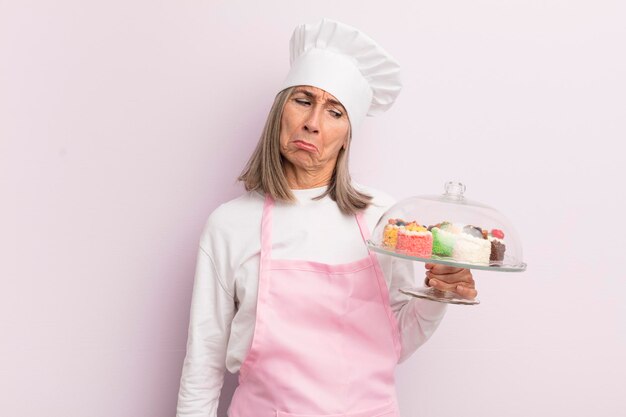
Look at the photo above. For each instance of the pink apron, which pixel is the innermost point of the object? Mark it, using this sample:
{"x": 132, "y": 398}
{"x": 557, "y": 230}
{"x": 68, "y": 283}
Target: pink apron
{"x": 325, "y": 342}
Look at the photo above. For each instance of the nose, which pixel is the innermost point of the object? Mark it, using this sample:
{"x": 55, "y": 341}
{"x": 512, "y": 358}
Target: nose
{"x": 313, "y": 120}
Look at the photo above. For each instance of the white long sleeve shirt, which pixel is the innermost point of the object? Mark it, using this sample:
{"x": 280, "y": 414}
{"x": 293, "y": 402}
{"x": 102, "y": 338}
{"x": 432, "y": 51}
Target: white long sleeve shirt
{"x": 223, "y": 306}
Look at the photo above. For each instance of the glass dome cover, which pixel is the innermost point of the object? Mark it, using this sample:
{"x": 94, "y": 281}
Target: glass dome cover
{"x": 449, "y": 229}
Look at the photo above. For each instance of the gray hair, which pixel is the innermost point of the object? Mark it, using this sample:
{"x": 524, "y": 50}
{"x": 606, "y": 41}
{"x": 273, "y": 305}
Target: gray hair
{"x": 264, "y": 170}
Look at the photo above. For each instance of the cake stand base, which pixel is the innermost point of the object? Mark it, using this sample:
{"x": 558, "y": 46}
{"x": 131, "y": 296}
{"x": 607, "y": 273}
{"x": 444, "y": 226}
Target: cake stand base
{"x": 434, "y": 294}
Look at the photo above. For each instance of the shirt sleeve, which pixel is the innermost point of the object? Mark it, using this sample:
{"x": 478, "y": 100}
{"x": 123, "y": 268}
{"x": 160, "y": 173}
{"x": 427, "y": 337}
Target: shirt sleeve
{"x": 417, "y": 318}
{"x": 211, "y": 314}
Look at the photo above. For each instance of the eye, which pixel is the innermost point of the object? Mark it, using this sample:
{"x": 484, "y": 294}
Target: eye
{"x": 302, "y": 101}
{"x": 335, "y": 114}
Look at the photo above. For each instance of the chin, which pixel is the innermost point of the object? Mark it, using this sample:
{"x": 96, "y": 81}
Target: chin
{"x": 302, "y": 160}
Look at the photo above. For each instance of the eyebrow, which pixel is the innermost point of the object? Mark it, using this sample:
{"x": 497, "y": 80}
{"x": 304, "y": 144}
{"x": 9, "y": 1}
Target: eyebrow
{"x": 311, "y": 95}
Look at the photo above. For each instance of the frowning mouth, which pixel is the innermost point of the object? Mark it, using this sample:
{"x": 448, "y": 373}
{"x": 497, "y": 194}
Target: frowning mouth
{"x": 305, "y": 145}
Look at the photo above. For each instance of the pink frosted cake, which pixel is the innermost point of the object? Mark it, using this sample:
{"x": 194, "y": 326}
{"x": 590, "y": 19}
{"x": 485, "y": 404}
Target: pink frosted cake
{"x": 415, "y": 240}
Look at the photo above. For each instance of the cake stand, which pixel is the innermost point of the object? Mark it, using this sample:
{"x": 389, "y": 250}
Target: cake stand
{"x": 448, "y": 229}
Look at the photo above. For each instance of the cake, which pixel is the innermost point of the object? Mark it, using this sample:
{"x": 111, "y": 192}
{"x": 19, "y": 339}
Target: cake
{"x": 443, "y": 241}
{"x": 415, "y": 240}
{"x": 469, "y": 247}
{"x": 390, "y": 232}
{"x": 497, "y": 245}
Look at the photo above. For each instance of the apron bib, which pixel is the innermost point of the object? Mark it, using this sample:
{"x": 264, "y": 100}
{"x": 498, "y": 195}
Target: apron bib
{"x": 325, "y": 342}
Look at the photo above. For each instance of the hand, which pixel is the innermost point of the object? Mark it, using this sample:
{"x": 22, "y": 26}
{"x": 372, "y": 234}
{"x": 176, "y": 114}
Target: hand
{"x": 449, "y": 278}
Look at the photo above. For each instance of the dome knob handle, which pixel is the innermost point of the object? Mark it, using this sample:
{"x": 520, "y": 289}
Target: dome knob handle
{"x": 454, "y": 189}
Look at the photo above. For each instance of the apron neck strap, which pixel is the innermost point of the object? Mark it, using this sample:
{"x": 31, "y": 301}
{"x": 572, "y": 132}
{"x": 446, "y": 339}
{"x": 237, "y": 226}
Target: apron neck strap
{"x": 266, "y": 229}
{"x": 365, "y": 233}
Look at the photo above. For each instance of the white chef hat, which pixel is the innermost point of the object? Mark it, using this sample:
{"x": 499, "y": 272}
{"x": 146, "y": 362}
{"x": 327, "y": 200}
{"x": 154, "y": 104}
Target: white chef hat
{"x": 346, "y": 63}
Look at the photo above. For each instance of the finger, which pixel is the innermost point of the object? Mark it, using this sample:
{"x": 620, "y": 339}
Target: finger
{"x": 463, "y": 276}
{"x": 463, "y": 291}
{"x": 429, "y": 266}
{"x": 445, "y": 269}
{"x": 441, "y": 285}
{"x": 445, "y": 286}
{"x": 466, "y": 292}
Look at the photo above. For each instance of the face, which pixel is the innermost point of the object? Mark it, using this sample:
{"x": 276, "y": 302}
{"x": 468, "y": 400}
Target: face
{"x": 314, "y": 127}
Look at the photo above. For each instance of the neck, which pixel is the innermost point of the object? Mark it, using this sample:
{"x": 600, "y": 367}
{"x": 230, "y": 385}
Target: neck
{"x": 299, "y": 179}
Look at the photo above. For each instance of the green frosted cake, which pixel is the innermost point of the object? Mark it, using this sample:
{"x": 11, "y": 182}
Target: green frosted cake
{"x": 443, "y": 242}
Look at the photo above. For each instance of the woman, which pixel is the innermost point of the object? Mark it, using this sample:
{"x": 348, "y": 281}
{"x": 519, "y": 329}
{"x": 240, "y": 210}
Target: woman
{"x": 286, "y": 291}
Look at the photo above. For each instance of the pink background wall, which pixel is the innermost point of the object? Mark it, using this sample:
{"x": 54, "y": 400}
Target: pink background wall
{"x": 124, "y": 123}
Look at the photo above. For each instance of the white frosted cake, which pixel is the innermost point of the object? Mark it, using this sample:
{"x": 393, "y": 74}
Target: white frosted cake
{"x": 471, "y": 249}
